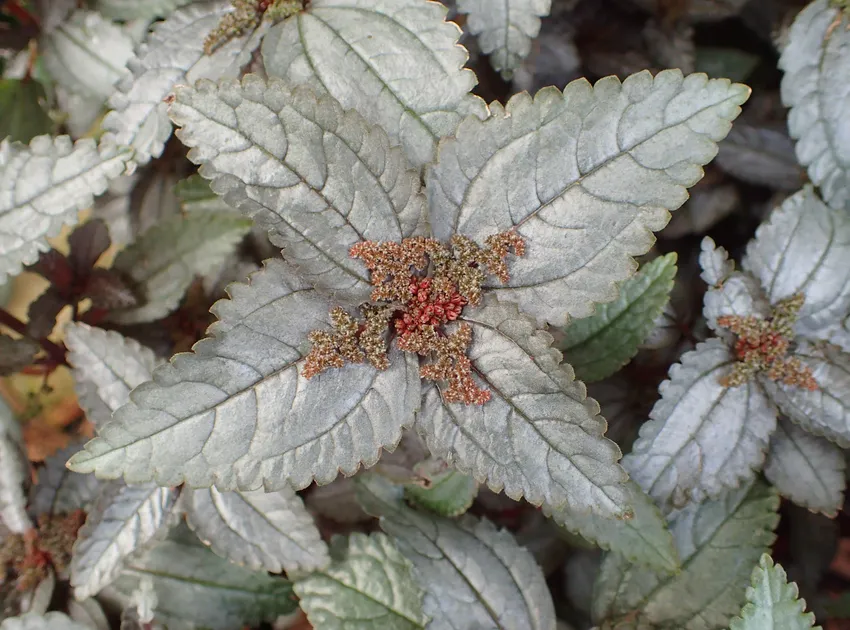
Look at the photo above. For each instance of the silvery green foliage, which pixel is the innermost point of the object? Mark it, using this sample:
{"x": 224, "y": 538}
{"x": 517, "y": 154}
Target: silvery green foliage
{"x": 136, "y": 9}
{"x": 48, "y": 621}
{"x": 504, "y": 30}
{"x": 806, "y": 468}
{"x": 319, "y": 178}
{"x": 473, "y": 574}
{"x": 585, "y": 176}
{"x": 815, "y": 63}
{"x": 164, "y": 261}
{"x": 43, "y": 186}
{"x": 87, "y": 54}
{"x": 643, "y": 539}
{"x": 539, "y": 436}
{"x": 260, "y": 530}
{"x": 14, "y": 473}
{"x": 106, "y": 367}
{"x": 598, "y": 346}
{"x": 192, "y": 587}
{"x": 123, "y": 520}
{"x": 266, "y": 424}
{"x": 441, "y": 490}
{"x": 60, "y": 490}
{"x": 718, "y": 542}
{"x": 678, "y": 457}
{"x": 799, "y": 250}
{"x": 772, "y": 602}
{"x": 173, "y": 54}
{"x": 407, "y": 76}
{"x": 369, "y": 585}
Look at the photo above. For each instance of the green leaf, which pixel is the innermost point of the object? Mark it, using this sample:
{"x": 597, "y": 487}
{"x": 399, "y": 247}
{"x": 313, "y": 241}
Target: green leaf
{"x": 643, "y": 539}
{"x": 43, "y": 186}
{"x": 806, "y": 468}
{"x": 447, "y": 493}
{"x": 599, "y": 345}
{"x": 538, "y": 436}
{"x": 14, "y": 473}
{"x": 396, "y": 62}
{"x": 165, "y": 260}
{"x": 678, "y": 456}
{"x": 718, "y": 542}
{"x": 173, "y": 54}
{"x": 369, "y": 585}
{"x": 106, "y": 366}
{"x": 800, "y": 250}
{"x": 318, "y": 178}
{"x": 48, "y": 621}
{"x": 195, "y": 588}
{"x": 260, "y": 530}
{"x": 123, "y": 520}
{"x": 505, "y": 30}
{"x": 195, "y": 195}
{"x": 734, "y": 64}
{"x": 87, "y": 54}
{"x": 772, "y": 602}
{"x": 584, "y": 176}
{"x": 22, "y": 116}
{"x": 236, "y": 412}
{"x": 816, "y": 67}
{"x": 473, "y": 575}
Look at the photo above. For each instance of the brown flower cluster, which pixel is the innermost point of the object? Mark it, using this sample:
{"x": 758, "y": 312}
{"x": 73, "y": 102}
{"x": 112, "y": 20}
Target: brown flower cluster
{"x": 246, "y": 16}
{"x": 420, "y": 286}
{"x": 762, "y": 347}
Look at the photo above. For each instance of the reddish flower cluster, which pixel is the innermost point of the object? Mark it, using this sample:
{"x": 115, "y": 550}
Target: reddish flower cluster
{"x": 762, "y": 345}
{"x": 427, "y": 307}
{"x": 418, "y": 308}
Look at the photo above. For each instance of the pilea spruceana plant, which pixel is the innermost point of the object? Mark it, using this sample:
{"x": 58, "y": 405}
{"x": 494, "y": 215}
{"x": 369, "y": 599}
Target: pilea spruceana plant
{"x": 352, "y": 348}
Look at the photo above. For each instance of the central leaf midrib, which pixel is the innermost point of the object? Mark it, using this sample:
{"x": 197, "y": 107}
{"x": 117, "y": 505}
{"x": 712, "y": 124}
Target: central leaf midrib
{"x": 368, "y": 596}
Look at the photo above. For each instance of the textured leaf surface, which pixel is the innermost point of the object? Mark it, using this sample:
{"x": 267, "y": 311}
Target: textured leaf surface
{"x": 643, "y": 539}
{"x": 816, "y": 67}
{"x": 164, "y": 261}
{"x": 237, "y": 413}
{"x": 87, "y": 54}
{"x": 397, "y": 62}
{"x": 585, "y": 177}
{"x": 718, "y": 542}
{"x": 601, "y": 344}
{"x": 195, "y": 588}
{"x": 678, "y": 456}
{"x": 137, "y": 9}
{"x": 505, "y": 30}
{"x": 805, "y": 248}
{"x": 806, "y": 468}
{"x": 369, "y": 585}
{"x": 449, "y": 493}
{"x": 739, "y": 294}
{"x": 772, "y": 602}
{"x": 42, "y": 186}
{"x": 60, "y": 490}
{"x": 260, "y": 530}
{"x": 22, "y": 116}
{"x": 106, "y": 367}
{"x": 538, "y": 436}
{"x": 319, "y": 179}
{"x": 825, "y": 411}
{"x": 761, "y": 156}
{"x": 173, "y": 54}
{"x": 122, "y": 521}
{"x": 14, "y": 473}
{"x": 714, "y": 262}
{"x": 48, "y": 621}
{"x": 473, "y": 574}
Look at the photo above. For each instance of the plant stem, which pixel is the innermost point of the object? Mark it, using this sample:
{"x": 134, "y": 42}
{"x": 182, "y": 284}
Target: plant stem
{"x": 55, "y": 351}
